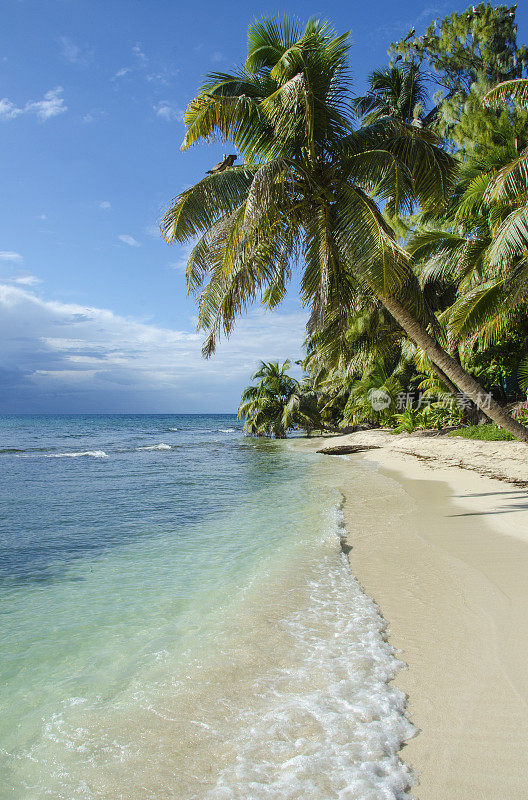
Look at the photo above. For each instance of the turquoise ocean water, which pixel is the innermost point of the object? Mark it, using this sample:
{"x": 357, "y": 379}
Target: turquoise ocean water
{"x": 177, "y": 619}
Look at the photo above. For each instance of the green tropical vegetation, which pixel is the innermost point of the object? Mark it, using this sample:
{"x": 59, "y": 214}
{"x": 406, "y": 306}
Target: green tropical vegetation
{"x": 404, "y": 209}
{"x": 486, "y": 433}
{"x": 277, "y": 402}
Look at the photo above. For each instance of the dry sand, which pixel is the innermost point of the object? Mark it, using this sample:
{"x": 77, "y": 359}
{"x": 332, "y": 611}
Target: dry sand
{"x": 448, "y": 566}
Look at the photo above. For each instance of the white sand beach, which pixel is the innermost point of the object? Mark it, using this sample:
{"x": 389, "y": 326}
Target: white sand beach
{"x": 448, "y": 566}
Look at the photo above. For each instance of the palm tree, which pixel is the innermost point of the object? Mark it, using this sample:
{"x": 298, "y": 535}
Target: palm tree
{"x": 303, "y": 409}
{"x": 262, "y": 407}
{"x": 398, "y": 92}
{"x": 309, "y": 189}
{"x": 481, "y": 249}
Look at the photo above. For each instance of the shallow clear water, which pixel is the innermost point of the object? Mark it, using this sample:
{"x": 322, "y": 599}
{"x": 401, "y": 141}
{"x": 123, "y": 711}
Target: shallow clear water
{"x": 178, "y": 620}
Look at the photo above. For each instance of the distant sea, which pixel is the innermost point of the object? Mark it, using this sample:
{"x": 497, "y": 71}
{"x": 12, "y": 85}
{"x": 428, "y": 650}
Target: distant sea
{"x": 177, "y": 619}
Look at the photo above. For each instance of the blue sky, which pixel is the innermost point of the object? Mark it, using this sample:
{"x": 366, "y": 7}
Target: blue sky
{"x": 93, "y": 309}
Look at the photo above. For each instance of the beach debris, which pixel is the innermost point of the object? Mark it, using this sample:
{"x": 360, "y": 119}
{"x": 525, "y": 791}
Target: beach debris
{"x": 227, "y": 161}
{"x": 345, "y": 449}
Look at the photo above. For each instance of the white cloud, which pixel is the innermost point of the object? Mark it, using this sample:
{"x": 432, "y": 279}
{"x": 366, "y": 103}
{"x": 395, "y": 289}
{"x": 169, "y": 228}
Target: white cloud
{"x": 168, "y": 111}
{"x": 8, "y": 110}
{"x": 92, "y": 115}
{"x": 151, "y": 70}
{"x": 129, "y": 240}
{"x": 51, "y": 105}
{"x": 24, "y": 280}
{"x": 9, "y": 255}
{"x": 163, "y": 77}
{"x": 137, "y": 51}
{"x": 72, "y": 52}
{"x": 217, "y": 56}
{"x": 105, "y": 204}
{"x": 121, "y": 72}
{"x": 60, "y": 356}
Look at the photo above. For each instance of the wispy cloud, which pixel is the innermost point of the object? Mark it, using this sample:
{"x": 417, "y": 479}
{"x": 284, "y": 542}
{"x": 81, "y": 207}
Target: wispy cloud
{"x": 24, "y": 280}
{"x": 163, "y": 77}
{"x": 122, "y": 72}
{"x": 50, "y": 106}
{"x": 72, "y": 52}
{"x": 129, "y": 240}
{"x": 137, "y": 51}
{"x": 11, "y": 256}
{"x": 9, "y": 110}
{"x": 217, "y": 56}
{"x": 149, "y": 69}
{"x": 168, "y": 111}
{"x": 92, "y": 115}
{"x": 60, "y": 356}
{"x": 105, "y": 205}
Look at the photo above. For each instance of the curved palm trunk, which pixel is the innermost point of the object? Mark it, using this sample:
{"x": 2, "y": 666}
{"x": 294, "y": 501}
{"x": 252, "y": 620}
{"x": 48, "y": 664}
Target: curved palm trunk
{"x": 458, "y": 376}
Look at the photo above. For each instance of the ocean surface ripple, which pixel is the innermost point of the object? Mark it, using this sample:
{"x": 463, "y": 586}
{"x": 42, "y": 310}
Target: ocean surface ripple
{"x": 178, "y": 619}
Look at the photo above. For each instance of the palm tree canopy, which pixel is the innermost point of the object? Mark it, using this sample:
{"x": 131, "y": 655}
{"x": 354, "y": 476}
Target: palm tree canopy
{"x": 310, "y": 188}
{"x": 262, "y": 406}
{"x": 397, "y": 92}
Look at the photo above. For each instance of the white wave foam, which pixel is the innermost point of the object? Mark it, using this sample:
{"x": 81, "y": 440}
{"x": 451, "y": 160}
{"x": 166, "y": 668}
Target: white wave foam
{"x": 161, "y": 446}
{"x": 330, "y": 724}
{"x": 294, "y": 701}
{"x": 91, "y": 453}
{"x": 226, "y": 430}
{"x": 173, "y": 429}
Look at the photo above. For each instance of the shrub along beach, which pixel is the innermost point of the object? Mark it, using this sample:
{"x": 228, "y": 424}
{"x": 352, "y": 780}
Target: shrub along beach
{"x": 405, "y": 212}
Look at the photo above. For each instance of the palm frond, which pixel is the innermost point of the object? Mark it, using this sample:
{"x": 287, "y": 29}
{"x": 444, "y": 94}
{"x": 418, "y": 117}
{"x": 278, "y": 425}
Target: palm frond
{"x": 516, "y": 90}
{"x": 198, "y": 208}
{"x": 511, "y": 239}
{"x": 510, "y": 183}
{"x": 477, "y": 308}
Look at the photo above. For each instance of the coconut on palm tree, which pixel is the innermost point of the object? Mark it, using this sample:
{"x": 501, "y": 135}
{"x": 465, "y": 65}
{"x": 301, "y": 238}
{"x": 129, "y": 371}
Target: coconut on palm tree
{"x": 311, "y": 190}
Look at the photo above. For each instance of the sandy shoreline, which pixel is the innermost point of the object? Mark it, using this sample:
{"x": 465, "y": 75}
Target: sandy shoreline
{"x": 448, "y": 566}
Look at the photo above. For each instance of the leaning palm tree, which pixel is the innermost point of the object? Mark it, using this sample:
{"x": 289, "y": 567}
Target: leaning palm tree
{"x": 262, "y": 406}
{"x": 309, "y": 191}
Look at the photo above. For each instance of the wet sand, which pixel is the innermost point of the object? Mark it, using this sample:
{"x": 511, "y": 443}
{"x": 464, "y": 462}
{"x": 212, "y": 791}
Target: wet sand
{"x": 448, "y": 566}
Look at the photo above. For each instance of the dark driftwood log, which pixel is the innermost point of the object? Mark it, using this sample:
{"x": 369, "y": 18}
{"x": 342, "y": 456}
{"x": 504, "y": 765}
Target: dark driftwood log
{"x": 344, "y": 449}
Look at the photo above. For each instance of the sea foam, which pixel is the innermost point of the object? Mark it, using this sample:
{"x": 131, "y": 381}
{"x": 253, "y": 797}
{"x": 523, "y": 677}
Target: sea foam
{"x": 160, "y": 446}
{"x": 329, "y": 724}
{"x": 90, "y": 453}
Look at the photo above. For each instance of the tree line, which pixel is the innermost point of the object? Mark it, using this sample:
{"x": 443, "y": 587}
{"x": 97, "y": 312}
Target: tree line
{"x": 405, "y": 210}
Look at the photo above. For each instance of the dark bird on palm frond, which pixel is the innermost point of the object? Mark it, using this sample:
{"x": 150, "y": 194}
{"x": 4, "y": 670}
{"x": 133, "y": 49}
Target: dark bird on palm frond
{"x": 410, "y": 34}
{"x": 398, "y": 58}
{"x": 227, "y": 162}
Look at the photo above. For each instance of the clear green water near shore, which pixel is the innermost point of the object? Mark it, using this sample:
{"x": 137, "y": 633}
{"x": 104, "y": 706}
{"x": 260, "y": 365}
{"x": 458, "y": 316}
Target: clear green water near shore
{"x": 178, "y": 620}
